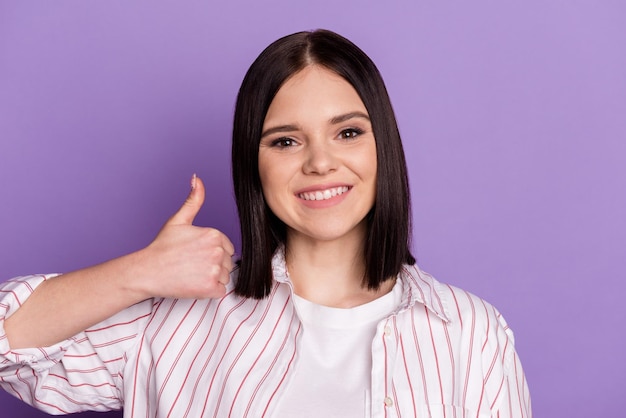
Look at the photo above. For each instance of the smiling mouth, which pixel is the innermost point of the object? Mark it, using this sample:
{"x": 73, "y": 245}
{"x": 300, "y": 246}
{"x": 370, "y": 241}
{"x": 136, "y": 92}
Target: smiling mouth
{"x": 324, "y": 194}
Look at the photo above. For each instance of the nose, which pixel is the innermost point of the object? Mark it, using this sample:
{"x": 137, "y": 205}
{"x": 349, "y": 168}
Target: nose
{"x": 319, "y": 159}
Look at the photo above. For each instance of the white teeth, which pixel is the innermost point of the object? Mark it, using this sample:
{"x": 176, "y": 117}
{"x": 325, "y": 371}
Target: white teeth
{"x": 323, "y": 194}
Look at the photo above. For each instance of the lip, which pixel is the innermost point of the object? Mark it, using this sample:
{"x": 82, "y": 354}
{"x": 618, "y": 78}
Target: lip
{"x": 325, "y": 203}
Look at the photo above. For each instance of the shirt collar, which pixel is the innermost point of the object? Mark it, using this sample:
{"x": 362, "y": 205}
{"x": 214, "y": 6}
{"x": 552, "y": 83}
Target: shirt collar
{"x": 421, "y": 287}
{"x": 279, "y": 266}
{"x": 417, "y": 286}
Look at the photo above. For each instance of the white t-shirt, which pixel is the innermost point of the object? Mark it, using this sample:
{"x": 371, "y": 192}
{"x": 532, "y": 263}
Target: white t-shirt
{"x": 332, "y": 372}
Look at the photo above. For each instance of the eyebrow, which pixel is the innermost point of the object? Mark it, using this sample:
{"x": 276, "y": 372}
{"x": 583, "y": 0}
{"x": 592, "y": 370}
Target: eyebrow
{"x": 334, "y": 121}
{"x": 276, "y": 129}
{"x": 348, "y": 116}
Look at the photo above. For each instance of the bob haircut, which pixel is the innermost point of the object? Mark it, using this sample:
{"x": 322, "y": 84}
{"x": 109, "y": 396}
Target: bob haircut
{"x": 387, "y": 245}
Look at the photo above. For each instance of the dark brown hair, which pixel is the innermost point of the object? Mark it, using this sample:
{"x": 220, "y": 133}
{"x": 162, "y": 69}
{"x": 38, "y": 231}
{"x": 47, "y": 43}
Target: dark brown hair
{"x": 387, "y": 244}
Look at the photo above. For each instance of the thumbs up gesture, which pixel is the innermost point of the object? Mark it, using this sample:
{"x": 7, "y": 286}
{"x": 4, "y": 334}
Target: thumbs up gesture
{"x": 183, "y": 261}
{"x": 187, "y": 261}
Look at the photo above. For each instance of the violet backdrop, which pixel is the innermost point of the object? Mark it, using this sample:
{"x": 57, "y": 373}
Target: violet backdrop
{"x": 513, "y": 117}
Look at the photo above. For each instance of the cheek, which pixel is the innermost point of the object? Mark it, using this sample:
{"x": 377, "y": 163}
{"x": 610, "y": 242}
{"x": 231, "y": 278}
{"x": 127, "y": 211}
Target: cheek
{"x": 271, "y": 183}
{"x": 368, "y": 169}
{"x": 365, "y": 163}
{"x": 373, "y": 162}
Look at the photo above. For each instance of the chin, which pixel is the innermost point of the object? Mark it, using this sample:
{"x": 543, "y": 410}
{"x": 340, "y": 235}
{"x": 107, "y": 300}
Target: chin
{"x": 330, "y": 233}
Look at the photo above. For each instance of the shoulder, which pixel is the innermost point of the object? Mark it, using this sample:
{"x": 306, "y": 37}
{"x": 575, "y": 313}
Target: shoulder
{"x": 225, "y": 313}
{"x": 471, "y": 332}
{"x": 459, "y": 308}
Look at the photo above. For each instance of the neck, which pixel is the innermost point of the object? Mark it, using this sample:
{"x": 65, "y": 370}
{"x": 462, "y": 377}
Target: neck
{"x": 330, "y": 273}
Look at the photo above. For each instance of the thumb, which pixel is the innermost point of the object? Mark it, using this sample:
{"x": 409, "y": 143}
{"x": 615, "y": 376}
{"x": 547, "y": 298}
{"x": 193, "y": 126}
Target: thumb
{"x": 192, "y": 205}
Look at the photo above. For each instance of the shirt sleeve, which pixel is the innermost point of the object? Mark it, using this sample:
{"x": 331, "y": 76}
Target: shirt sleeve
{"x": 505, "y": 380}
{"x": 82, "y": 373}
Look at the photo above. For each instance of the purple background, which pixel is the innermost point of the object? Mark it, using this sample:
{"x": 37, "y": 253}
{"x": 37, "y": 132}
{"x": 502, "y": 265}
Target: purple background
{"x": 513, "y": 118}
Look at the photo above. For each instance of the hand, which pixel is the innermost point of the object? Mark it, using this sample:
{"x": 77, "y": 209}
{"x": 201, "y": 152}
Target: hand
{"x": 186, "y": 261}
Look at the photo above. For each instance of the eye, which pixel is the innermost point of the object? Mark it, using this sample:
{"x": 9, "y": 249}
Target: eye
{"x": 283, "y": 142}
{"x": 350, "y": 133}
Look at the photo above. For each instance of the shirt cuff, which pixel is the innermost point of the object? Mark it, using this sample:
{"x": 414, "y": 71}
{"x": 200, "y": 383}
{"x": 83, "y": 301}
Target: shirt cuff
{"x": 13, "y": 294}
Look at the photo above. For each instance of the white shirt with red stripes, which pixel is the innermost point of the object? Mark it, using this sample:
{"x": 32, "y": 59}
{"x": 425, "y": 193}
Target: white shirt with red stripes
{"x": 442, "y": 352}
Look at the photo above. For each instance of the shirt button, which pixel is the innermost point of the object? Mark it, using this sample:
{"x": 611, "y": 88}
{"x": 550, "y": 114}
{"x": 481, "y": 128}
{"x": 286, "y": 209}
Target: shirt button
{"x": 387, "y": 331}
{"x": 388, "y": 401}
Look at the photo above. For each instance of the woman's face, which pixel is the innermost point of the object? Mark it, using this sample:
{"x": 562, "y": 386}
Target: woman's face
{"x": 317, "y": 157}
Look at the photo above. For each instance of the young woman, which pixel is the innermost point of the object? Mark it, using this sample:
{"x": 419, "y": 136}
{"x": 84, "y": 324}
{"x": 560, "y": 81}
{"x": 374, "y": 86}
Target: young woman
{"x": 326, "y": 313}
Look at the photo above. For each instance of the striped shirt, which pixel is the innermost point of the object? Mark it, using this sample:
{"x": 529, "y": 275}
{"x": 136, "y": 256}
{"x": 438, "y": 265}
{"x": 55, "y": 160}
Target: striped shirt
{"x": 442, "y": 353}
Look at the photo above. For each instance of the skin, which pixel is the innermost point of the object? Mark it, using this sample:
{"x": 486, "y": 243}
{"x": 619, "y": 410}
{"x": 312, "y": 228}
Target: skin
{"x": 317, "y": 136}
{"x": 68, "y": 304}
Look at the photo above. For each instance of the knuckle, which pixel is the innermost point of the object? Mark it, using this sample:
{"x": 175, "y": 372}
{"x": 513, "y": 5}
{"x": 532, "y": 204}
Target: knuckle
{"x": 218, "y": 255}
{"x": 213, "y": 234}
{"x": 218, "y": 252}
{"x": 214, "y": 273}
{"x": 226, "y": 275}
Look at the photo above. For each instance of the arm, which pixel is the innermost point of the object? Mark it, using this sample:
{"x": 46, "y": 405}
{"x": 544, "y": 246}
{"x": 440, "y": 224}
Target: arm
{"x": 183, "y": 261}
{"x": 516, "y": 402}
{"x": 510, "y": 394}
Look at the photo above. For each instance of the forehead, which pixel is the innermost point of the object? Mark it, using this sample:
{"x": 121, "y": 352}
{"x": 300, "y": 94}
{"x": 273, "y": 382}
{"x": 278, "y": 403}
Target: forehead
{"x": 314, "y": 92}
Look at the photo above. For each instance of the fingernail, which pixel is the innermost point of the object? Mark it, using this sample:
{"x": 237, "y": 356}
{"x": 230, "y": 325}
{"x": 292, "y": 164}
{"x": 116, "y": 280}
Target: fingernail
{"x": 194, "y": 179}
